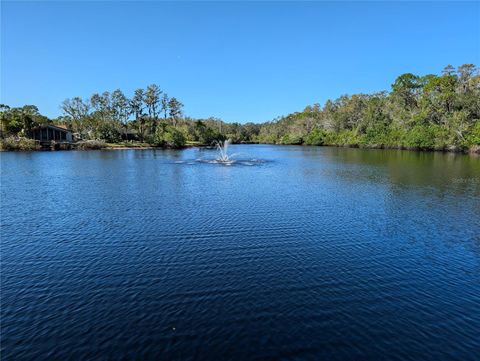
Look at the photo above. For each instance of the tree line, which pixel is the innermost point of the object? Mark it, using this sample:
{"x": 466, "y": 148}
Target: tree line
{"x": 148, "y": 116}
{"x": 439, "y": 112}
{"x": 110, "y": 116}
{"x": 419, "y": 112}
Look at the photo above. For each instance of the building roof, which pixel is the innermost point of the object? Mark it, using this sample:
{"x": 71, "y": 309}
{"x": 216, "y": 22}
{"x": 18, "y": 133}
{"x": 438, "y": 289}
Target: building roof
{"x": 60, "y": 127}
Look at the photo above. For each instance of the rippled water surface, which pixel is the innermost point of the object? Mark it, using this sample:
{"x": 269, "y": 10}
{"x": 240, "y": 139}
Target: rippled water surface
{"x": 303, "y": 253}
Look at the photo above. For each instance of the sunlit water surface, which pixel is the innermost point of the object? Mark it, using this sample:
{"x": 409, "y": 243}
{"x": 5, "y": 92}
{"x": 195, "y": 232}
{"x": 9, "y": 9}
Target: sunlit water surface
{"x": 295, "y": 253}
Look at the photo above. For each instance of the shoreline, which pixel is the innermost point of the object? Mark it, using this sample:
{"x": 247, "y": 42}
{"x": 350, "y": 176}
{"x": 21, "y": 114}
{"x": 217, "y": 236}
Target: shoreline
{"x": 473, "y": 151}
{"x": 451, "y": 151}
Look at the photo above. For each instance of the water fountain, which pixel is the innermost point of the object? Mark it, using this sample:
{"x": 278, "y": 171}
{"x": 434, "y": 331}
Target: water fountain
{"x": 223, "y": 157}
{"x": 222, "y": 148}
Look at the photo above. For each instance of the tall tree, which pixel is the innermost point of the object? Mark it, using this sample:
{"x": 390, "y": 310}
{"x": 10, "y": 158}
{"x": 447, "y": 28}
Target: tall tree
{"x": 78, "y": 110}
{"x": 448, "y": 70}
{"x": 121, "y": 109}
{"x": 4, "y": 118}
{"x": 137, "y": 106}
{"x": 165, "y": 101}
{"x": 137, "y": 103}
{"x": 466, "y": 72}
{"x": 103, "y": 106}
{"x": 406, "y": 88}
{"x": 20, "y": 121}
{"x": 152, "y": 99}
{"x": 175, "y": 110}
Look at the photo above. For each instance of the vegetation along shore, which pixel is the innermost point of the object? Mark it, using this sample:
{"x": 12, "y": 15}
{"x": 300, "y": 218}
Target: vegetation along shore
{"x": 429, "y": 112}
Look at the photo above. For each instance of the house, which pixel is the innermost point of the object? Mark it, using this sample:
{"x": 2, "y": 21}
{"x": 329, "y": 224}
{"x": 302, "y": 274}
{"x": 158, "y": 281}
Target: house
{"x": 49, "y": 132}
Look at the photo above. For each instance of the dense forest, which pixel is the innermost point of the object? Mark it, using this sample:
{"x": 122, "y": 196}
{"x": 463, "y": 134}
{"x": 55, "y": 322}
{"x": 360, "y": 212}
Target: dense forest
{"x": 430, "y": 112}
{"x": 420, "y": 112}
{"x": 439, "y": 112}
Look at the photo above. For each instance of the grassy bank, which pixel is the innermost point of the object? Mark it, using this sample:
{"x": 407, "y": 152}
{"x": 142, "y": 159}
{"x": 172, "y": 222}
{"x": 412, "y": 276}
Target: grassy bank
{"x": 128, "y": 145}
{"x": 25, "y": 144}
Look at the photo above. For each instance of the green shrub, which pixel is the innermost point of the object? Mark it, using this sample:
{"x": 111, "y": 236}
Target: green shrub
{"x": 292, "y": 139}
{"x": 316, "y": 137}
{"x": 443, "y": 138}
{"x": 168, "y": 137}
{"x": 420, "y": 137}
{"x": 202, "y": 133}
{"x": 376, "y": 135}
{"x": 108, "y": 133}
{"x": 266, "y": 139}
{"x": 19, "y": 143}
{"x": 347, "y": 137}
{"x": 473, "y": 136}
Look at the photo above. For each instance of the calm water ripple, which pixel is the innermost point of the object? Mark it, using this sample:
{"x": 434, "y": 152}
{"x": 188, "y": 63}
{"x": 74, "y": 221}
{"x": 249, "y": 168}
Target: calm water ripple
{"x": 307, "y": 253}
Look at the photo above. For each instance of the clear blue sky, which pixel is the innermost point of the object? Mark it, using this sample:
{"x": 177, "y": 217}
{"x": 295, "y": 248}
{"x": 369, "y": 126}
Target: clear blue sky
{"x": 242, "y": 62}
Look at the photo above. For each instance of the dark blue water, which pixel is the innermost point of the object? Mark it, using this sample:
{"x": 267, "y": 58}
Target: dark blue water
{"x": 311, "y": 253}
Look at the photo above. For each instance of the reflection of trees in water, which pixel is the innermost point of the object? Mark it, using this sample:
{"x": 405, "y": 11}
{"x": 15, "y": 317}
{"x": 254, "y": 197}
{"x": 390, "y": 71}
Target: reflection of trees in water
{"x": 426, "y": 197}
{"x": 446, "y": 172}
{"x": 428, "y": 203}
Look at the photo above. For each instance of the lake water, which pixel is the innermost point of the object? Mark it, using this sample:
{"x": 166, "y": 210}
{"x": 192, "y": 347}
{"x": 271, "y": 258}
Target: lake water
{"x": 305, "y": 253}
